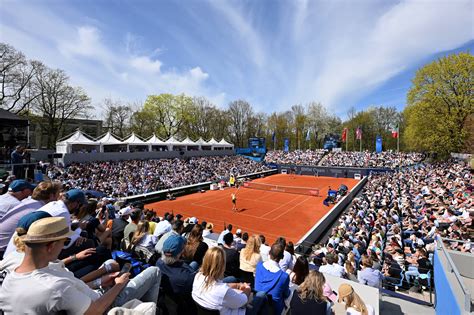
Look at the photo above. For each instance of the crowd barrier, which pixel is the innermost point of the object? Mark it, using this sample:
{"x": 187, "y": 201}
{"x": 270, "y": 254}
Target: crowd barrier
{"x": 329, "y": 171}
{"x": 319, "y": 229}
{"x": 185, "y": 190}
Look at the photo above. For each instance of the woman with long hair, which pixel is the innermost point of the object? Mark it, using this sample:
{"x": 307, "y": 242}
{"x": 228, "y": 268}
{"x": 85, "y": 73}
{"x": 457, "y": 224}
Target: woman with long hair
{"x": 309, "y": 296}
{"x": 210, "y": 291}
{"x": 354, "y": 304}
{"x": 89, "y": 221}
{"x": 300, "y": 270}
{"x": 195, "y": 248}
{"x": 142, "y": 237}
{"x": 249, "y": 258}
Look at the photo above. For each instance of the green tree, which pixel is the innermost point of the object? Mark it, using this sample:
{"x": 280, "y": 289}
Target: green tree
{"x": 440, "y": 103}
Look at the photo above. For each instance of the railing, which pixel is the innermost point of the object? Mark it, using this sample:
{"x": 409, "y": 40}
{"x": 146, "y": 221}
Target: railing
{"x": 452, "y": 268}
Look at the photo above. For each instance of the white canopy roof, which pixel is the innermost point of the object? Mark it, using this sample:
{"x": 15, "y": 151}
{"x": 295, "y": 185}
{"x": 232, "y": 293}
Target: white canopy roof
{"x": 173, "y": 141}
{"x": 225, "y": 143}
{"x": 77, "y": 138}
{"x": 212, "y": 142}
{"x": 133, "y": 140}
{"x": 188, "y": 141}
{"x": 155, "y": 140}
{"x": 108, "y": 138}
{"x": 200, "y": 141}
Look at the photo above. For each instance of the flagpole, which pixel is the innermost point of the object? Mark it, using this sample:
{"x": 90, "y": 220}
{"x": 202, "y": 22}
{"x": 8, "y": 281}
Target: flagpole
{"x": 398, "y": 137}
{"x": 347, "y": 136}
{"x": 360, "y": 142}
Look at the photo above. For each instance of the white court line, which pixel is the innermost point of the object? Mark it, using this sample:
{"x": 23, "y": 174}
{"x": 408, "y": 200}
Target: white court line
{"x": 286, "y": 203}
{"x": 292, "y": 208}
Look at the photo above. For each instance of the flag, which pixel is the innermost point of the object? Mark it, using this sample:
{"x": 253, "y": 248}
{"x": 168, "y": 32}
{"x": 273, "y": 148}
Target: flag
{"x": 358, "y": 133}
{"x": 344, "y": 135}
{"x": 273, "y": 137}
{"x": 395, "y": 132}
{"x": 308, "y": 136}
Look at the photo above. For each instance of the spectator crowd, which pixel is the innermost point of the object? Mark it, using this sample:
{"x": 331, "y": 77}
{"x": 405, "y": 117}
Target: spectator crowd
{"x": 131, "y": 177}
{"x": 85, "y": 256}
{"x": 297, "y": 157}
{"x": 385, "y": 159}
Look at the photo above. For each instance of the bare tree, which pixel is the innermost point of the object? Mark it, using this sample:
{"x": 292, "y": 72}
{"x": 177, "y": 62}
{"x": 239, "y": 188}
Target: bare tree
{"x": 117, "y": 116}
{"x": 240, "y": 113}
{"x": 57, "y": 102}
{"x": 16, "y": 75}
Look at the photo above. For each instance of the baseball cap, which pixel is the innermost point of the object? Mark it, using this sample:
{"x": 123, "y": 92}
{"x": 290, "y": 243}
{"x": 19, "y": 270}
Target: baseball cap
{"x": 173, "y": 245}
{"x": 31, "y": 217}
{"x": 125, "y": 211}
{"x": 20, "y": 184}
{"x": 239, "y": 231}
{"x": 193, "y": 220}
{"x": 76, "y": 195}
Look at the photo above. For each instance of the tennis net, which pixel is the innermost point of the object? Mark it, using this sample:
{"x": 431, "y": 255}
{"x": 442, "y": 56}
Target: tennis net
{"x": 285, "y": 189}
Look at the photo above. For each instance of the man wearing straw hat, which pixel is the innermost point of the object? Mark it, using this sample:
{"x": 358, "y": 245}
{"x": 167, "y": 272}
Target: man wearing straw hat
{"x": 39, "y": 285}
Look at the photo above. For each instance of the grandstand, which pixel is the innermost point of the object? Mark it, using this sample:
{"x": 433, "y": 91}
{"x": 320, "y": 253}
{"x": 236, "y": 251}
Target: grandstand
{"x": 410, "y": 219}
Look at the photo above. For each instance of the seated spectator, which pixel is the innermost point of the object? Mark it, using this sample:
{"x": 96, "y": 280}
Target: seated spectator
{"x": 177, "y": 229}
{"x": 195, "y": 248}
{"x": 242, "y": 242}
{"x": 287, "y": 261}
{"x": 210, "y": 291}
{"x": 264, "y": 248}
{"x": 177, "y": 276}
{"x": 208, "y": 229}
{"x": 249, "y": 258}
{"x": 141, "y": 237}
{"x": 309, "y": 298}
{"x": 369, "y": 276}
{"x": 52, "y": 288}
{"x": 232, "y": 262}
{"x": 92, "y": 226}
{"x": 300, "y": 270}
{"x": 392, "y": 273}
{"x": 271, "y": 279}
{"x": 163, "y": 226}
{"x": 331, "y": 267}
{"x": 354, "y": 304}
{"x": 220, "y": 239}
{"x": 118, "y": 227}
{"x": 419, "y": 264}
{"x": 132, "y": 226}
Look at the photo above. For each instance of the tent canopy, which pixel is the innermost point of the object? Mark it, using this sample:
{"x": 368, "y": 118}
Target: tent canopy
{"x": 108, "y": 139}
{"x": 134, "y": 140}
{"x": 188, "y": 141}
{"x": 10, "y": 119}
{"x": 173, "y": 141}
{"x": 212, "y": 142}
{"x": 154, "y": 140}
{"x": 78, "y": 137}
{"x": 225, "y": 143}
{"x": 200, "y": 141}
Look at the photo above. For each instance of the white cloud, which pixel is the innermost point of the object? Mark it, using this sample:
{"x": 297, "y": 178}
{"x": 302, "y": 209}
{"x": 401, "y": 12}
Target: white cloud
{"x": 146, "y": 64}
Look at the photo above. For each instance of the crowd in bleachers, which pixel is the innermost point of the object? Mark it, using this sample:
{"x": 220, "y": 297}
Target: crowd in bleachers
{"x": 385, "y": 159}
{"x": 297, "y": 157}
{"x": 124, "y": 178}
{"x": 385, "y": 238}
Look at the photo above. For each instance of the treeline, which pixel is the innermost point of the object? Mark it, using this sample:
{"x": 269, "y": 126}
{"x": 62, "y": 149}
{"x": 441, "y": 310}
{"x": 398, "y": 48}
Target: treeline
{"x": 438, "y": 116}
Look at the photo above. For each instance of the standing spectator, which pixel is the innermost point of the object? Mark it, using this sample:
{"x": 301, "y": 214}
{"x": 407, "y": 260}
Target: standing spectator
{"x": 309, "y": 298}
{"x": 271, "y": 279}
{"x": 354, "y": 304}
{"x": 17, "y": 156}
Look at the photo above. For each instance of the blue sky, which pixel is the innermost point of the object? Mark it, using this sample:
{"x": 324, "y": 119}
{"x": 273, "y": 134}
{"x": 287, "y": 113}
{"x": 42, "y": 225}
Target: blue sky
{"x": 272, "y": 53}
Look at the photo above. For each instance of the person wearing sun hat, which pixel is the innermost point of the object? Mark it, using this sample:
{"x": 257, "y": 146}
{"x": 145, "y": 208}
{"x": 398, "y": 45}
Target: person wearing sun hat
{"x": 354, "y": 304}
{"x": 51, "y": 288}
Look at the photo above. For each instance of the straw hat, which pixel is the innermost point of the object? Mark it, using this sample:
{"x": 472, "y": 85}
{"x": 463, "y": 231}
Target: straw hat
{"x": 47, "y": 230}
{"x": 344, "y": 290}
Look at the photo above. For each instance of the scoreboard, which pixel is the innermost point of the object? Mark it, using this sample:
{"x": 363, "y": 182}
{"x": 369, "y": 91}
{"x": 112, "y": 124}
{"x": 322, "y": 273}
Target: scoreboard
{"x": 257, "y": 143}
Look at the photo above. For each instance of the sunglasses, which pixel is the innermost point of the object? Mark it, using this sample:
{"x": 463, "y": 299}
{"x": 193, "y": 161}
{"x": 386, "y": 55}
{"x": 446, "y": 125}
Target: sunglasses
{"x": 67, "y": 241}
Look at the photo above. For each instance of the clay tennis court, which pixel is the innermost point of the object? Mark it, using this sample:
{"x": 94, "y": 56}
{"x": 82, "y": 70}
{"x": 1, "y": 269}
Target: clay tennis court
{"x": 271, "y": 213}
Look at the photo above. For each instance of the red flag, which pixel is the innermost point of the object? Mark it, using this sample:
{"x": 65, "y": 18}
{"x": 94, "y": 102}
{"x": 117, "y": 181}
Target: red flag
{"x": 358, "y": 133}
{"x": 395, "y": 132}
{"x": 344, "y": 135}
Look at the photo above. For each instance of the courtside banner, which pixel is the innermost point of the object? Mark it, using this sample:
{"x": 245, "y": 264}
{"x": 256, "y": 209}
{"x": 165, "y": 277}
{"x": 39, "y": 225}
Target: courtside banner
{"x": 378, "y": 144}
{"x": 286, "y": 145}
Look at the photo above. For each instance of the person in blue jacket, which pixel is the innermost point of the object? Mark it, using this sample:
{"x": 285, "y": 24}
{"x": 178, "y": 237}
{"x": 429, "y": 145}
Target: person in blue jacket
{"x": 269, "y": 278}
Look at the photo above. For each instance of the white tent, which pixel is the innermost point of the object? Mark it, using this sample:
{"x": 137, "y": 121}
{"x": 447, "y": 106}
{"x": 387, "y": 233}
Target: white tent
{"x": 78, "y": 141}
{"x": 134, "y": 141}
{"x": 225, "y": 144}
{"x": 190, "y": 145}
{"x": 203, "y": 145}
{"x": 157, "y": 144}
{"x": 110, "y": 140}
{"x": 174, "y": 144}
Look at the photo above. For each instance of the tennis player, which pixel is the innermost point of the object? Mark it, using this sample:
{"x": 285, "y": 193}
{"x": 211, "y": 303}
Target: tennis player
{"x": 234, "y": 202}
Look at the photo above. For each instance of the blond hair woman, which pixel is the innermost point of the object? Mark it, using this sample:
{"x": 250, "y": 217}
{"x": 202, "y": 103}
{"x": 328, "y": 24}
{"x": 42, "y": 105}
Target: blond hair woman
{"x": 354, "y": 304}
{"x": 249, "y": 258}
{"x": 142, "y": 237}
{"x": 309, "y": 296}
{"x": 211, "y": 292}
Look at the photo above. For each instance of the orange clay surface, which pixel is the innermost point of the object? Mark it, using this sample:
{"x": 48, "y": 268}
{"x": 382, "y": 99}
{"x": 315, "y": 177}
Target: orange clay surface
{"x": 272, "y": 214}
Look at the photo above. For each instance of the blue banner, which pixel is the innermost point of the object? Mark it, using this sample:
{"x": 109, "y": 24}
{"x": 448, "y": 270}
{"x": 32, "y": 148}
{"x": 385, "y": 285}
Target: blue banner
{"x": 378, "y": 144}
{"x": 286, "y": 146}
